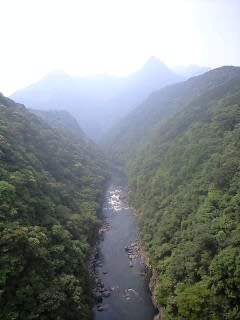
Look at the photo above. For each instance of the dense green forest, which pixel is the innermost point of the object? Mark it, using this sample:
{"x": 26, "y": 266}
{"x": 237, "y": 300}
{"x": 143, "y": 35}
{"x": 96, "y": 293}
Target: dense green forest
{"x": 123, "y": 140}
{"x": 51, "y": 186}
{"x": 185, "y": 181}
{"x": 181, "y": 152}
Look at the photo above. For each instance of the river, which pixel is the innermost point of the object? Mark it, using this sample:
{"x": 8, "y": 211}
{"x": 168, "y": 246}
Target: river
{"x": 119, "y": 270}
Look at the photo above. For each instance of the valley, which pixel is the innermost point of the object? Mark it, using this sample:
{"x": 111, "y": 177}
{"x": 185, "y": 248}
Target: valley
{"x": 179, "y": 204}
{"x": 120, "y": 160}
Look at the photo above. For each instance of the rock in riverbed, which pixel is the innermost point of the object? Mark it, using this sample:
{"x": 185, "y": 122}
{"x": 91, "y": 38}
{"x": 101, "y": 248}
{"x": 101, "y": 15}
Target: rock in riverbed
{"x": 106, "y": 293}
{"x": 98, "y": 297}
{"x": 132, "y": 252}
{"x": 102, "y": 307}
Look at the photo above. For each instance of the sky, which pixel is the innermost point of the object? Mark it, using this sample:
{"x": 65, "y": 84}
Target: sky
{"x": 116, "y": 37}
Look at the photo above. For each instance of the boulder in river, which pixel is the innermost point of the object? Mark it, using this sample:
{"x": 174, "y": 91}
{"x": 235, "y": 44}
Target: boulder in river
{"x": 102, "y": 307}
{"x": 98, "y": 297}
{"x": 106, "y": 294}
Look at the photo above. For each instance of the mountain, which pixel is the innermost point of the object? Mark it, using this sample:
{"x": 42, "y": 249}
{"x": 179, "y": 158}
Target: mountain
{"x": 97, "y": 102}
{"x": 51, "y": 186}
{"x": 184, "y": 180}
{"x": 152, "y": 76}
{"x": 122, "y": 141}
{"x": 62, "y": 120}
{"x": 190, "y": 71}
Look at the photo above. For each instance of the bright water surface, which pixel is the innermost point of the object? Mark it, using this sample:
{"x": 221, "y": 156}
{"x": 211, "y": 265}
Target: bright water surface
{"x": 115, "y": 272}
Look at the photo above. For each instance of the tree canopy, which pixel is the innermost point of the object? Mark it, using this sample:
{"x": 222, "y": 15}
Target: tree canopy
{"x": 184, "y": 179}
{"x": 51, "y": 187}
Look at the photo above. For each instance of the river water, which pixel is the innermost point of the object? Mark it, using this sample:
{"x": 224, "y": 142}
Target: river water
{"x": 119, "y": 267}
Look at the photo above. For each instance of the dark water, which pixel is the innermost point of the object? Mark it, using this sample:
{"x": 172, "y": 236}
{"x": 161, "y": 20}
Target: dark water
{"x": 130, "y": 298}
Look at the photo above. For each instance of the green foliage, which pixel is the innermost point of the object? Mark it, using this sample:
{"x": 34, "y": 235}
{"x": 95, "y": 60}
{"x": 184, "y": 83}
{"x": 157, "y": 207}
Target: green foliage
{"x": 51, "y": 185}
{"x": 193, "y": 303}
{"x": 123, "y": 141}
{"x": 185, "y": 181}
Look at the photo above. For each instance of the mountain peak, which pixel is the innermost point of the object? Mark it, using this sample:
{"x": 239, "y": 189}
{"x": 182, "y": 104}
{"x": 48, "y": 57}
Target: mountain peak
{"x": 56, "y": 74}
{"x": 92, "y": 99}
{"x": 154, "y": 63}
{"x": 59, "y": 72}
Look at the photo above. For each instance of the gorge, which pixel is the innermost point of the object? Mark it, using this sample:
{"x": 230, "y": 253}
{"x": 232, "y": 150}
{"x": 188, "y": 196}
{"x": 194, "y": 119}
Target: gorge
{"x": 179, "y": 150}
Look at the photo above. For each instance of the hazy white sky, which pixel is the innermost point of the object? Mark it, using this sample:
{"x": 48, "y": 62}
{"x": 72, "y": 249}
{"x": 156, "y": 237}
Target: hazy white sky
{"x": 116, "y": 37}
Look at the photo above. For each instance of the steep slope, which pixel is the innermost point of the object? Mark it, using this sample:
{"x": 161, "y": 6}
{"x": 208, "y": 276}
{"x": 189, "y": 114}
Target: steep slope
{"x": 62, "y": 120}
{"x": 51, "y": 185}
{"x": 151, "y": 77}
{"x": 96, "y": 102}
{"x": 123, "y": 140}
{"x": 185, "y": 183}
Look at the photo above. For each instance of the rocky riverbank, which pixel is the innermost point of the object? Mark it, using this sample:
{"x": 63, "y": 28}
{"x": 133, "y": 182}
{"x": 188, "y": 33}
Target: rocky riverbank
{"x": 149, "y": 273}
{"x": 151, "y": 278}
{"x": 121, "y": 290}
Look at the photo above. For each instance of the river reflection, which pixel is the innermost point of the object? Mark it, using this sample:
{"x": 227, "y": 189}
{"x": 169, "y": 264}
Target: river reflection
{"x": 119, "y": 268}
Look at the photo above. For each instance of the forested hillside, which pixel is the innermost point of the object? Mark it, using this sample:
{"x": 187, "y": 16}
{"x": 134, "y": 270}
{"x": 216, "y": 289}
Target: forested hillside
{"x": 185, "y": 182}
{"x": 51, "y": 186}
{"x": 122, "y": 141}
{"x": 63, "y": 120}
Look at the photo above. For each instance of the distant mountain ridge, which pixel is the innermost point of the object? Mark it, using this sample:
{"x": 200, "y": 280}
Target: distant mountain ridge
{"x": 100, "y": 101}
